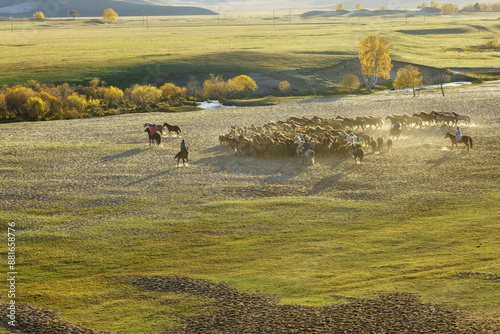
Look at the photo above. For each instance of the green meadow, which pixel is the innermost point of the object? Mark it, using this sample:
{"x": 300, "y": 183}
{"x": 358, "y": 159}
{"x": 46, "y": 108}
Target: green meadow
{"x": 133, "y": 51}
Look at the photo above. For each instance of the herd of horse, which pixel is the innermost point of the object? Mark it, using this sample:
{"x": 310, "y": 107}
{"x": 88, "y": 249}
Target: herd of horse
{"x": 331, "y": 136}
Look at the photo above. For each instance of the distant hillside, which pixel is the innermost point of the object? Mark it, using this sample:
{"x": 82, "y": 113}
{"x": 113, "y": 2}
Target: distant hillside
{"x": 93, "y": 8}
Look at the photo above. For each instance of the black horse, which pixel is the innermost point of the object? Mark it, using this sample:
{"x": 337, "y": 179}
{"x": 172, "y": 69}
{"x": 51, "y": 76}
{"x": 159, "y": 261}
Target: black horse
{"x": 358, "y": 154}
{"x": 183, "y": 154}
{"x": 454, "y": 142}
{"x": 152, "y": 137}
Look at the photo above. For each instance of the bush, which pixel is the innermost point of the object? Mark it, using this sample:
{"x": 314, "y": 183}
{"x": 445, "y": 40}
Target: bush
{"x": 52, "y": 104}
{"x": 350, "y": 81}
{"x": 284, "y": 86}
{"x": 171, "y": 93}
{"x": 75, "y": 106}
{"x": 113, "y": 96}
{"x": 36, "y": 108}
{"x": 16, "y": 100}
{"x": 143, "y": 97}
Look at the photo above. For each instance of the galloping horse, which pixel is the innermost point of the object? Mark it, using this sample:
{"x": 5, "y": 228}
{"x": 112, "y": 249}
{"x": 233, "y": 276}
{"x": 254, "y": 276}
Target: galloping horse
{"x": 358, "y": 154}
{"x": 152, "y": 137}
{"x": 183, "y": 154}
{"x": 308, "y": 156}
{"x": 454, "y": 142}
{"x": 172, "y": 128}
{"x": 395, "y": 132}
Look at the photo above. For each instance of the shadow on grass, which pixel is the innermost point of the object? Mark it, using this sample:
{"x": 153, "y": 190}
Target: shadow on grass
{"x": 125, "y": 154}
{"x": 448, "y": 157}
{"x": 147, "y": 178}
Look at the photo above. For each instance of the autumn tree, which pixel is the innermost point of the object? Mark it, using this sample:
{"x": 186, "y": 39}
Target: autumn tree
{"x": 435, "y": 4}
{"x": 358, "y": 6}
{"x": 374, "y": 57}
{"x": 284, "y": 86}
{"x": 110, "y": 15}
{"x": 38, "y": 16}
{"x": 215, "y": 87}
{"x": 171, "y": 93}
{"x": 339, "y": 6}
{"x": 243, "y": 83}
{"x": 73, "y": 14}
{"x": 449, "y": 8}
{"x": 349, "y": 81}
{"x": 408, "y": 77}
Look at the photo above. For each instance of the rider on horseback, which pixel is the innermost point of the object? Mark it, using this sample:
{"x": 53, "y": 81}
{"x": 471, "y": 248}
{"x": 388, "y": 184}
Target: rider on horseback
{"x": 306, "y": 146}
{"x": 183, "y": 147}
{"x": 458, "y": 135}
{"x": 397, "y": 125}
{"x": 357, "y": 144}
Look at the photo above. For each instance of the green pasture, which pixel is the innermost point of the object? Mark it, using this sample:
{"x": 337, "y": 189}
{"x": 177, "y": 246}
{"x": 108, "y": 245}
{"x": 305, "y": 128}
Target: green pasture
{"x": 300, "y": 250}
{"x": 136, "y": 51}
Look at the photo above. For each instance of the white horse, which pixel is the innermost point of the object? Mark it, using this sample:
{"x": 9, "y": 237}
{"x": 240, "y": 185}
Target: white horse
{"x": 464, "y": 118}
{"x": 308, "y": 157}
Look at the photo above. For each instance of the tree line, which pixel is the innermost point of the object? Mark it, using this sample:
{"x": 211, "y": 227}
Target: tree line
{"x": 446, "y": 9}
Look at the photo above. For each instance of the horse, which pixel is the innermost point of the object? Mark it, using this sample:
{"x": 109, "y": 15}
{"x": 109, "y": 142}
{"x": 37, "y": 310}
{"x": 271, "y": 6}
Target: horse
{"x": 183, "y": 154}
{"x": 172, "y": 128}
{"x": 358, "y": 154}
{"x": 309, "y": 156}
{"x": 159, "y": 128}
{"x": 395, "y": 132}
{"x": 389, "y": 144}
{"x": 454, "y": 142}
{"x": 152, "y": 137}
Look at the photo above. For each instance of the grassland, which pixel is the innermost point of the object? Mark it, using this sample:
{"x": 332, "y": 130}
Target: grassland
{"x": 57, "y": 51}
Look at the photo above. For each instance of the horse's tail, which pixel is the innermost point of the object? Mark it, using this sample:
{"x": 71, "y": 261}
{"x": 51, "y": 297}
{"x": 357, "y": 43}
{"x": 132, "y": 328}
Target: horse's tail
{"x": 470, "y": 142}
{"x": 180, "y": 131}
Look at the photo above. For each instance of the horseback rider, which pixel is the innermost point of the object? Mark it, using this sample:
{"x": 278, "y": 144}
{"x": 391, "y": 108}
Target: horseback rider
{"x": 397, "y": 125}
{"x": 183, "y": 147}
{"x": 152, "y": 130}
{"x": 306, "y": 146}
{"x": 458, "y": 135}
{"x": 357, "y": 144}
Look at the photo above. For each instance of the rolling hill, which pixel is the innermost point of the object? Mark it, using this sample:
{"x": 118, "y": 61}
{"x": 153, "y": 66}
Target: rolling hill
{"x": 93, "y": 8}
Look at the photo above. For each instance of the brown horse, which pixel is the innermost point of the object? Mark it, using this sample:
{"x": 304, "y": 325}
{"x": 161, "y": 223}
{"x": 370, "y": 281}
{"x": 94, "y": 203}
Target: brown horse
{"x": 153, "y": 137}
{"x": 358, "y": 154}
{"x": 172, "y": 128}
{"x": 183, "y": 154}
{"x": 395, "y": 132}
{"x": 454, "y": 142}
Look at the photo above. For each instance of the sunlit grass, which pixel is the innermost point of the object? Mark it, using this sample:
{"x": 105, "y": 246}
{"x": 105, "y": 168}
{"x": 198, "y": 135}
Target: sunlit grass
{"x": 129, "y": 53}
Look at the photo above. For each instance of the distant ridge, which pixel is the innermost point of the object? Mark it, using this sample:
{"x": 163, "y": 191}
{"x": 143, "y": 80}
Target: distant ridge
{"x": 93, "y": 8}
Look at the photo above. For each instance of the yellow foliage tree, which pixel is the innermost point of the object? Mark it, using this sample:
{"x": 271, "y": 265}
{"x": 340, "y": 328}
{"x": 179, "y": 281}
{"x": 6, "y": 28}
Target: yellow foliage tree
{"x": 215, "y": 87}
{"x": 110, "y": 15}
{"x": 39, "y": 16}
{"x": 243, "y": 83}
{"x": 408, "y": 77}
{"x": 284, "y": 86}
{"x": 375, "y": 58}
{"x": 434, "y": 4}
{"x": 171, "y": 92}
{"x": 339, "y": 6}
{"x": 449, "y": 8}
{"x": 358, "y": 6}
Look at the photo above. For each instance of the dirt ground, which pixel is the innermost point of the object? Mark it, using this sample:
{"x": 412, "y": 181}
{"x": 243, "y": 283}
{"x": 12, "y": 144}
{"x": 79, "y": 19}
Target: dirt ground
{"x": 108, "y": 160}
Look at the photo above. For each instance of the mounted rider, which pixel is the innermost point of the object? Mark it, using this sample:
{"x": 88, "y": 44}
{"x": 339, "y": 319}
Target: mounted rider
{"x": 357, "y": 144}
{"x": 458, "y": 135}
{"x": 305, "y": 146}
{"x": 397, "y": 125}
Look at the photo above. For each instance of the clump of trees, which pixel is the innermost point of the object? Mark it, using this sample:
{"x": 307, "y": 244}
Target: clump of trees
{"x": 216, "y": 88}
{"x": 350, "y": 81}
{"x": 38, "y": 16}
{"x": 408, "y": 77}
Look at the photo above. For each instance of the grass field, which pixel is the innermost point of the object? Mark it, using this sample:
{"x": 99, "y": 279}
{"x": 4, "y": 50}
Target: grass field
{"x": 57, "y": 51}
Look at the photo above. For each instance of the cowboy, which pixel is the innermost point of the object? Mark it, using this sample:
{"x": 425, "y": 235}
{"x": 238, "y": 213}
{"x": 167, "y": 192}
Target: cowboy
{"x": 183, "y": 147}
{"x": 306, "y": 146}
{"x": 357, "y": 144}
{"x": 458, "y": 135}
{"x": 397, "y": 125}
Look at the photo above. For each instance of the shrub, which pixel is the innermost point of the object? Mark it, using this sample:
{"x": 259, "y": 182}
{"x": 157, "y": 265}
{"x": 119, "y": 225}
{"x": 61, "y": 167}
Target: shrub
{"x": 75, "y": 105}
{"x": 215, "y": 87}
{"x": 350, "y": 81}
{"x": 143, "y": 96}
{"x": 113, "y": 96}
{"x": 492, "y": 45}
{"x": 16, "y": 100}
{"x": 172, "y": 93}
{"x": 36, "y": 108}
{"x": 242, "y": 83}
{"x": 52, "y": 104}
{"x": 284, "y": 86}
